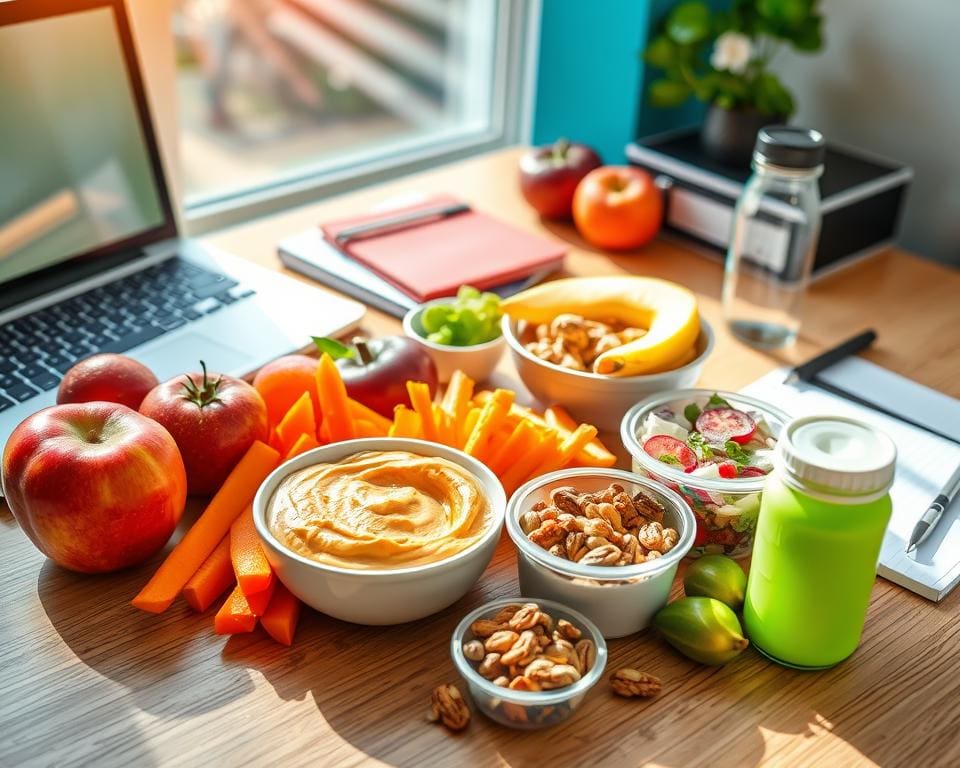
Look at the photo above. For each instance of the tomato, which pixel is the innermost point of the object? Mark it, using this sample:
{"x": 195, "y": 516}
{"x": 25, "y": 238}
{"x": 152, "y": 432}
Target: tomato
{"x": 669, "y": 450}
{"x": 618, "y": 207}
{"x": 717, "y": 425}
{"x": 214, "y": 419}
{"x": 727, "y": 470}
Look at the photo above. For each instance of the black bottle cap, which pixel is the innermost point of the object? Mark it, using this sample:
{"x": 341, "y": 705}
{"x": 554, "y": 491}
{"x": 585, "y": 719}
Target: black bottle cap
{"x": 791, "y": 147}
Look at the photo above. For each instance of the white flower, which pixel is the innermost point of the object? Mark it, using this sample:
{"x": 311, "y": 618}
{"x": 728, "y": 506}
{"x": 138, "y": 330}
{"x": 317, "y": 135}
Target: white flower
{"x": 732, "y": 51}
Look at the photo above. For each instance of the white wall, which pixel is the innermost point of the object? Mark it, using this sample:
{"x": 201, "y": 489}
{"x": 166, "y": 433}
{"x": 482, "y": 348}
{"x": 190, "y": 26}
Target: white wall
{"x": 888, "y": 80}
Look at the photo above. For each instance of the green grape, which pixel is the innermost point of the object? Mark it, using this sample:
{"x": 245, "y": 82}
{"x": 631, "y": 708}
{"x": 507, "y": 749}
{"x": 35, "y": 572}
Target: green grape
{"x": 471, "y": 318}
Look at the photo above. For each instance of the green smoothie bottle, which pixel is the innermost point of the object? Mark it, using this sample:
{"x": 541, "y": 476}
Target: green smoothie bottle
{"x": 823, "y": 514}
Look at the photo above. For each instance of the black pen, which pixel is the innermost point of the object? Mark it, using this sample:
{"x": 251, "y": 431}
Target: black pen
{"x": 400, "y": 221}
{"x": 934, "y": 513}
{"x": 808, "y": 370}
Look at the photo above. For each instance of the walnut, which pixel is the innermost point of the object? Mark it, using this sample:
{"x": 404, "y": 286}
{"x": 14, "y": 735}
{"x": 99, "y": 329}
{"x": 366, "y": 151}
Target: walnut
{"x": 506, "y": 613}
{"x": 486, "y": 627}
{"x": 523, "y": 650}
{"x": 521, "y": 683}
{"x": 649, "y": 507}
{"x": 530, "y": 521}
{"x": 548, "y": 675}
{"x": 608, "y": 554}
{"x": 587, "y": 653}
{"x": 651, "y": 536}
{"x": 548, "y": 534}
{"x": 558, "y": 550}
{"x": 566, "y": 499}
{"x": 491, "y": 667}
{"x": 474, "y": 650}
{"x": 599, "y": 527}
{"x": 567, "y": 630}
{"x": 448, "y": 707}
{"x": 574, "y": 542}
{"x": 527, "y": 617}
{"x": 629, "y": 682}
{"x": 502, "y": 641}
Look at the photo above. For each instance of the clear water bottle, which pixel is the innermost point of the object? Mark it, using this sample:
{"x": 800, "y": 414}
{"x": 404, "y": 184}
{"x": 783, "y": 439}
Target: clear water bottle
{"x": 768, "y": 267}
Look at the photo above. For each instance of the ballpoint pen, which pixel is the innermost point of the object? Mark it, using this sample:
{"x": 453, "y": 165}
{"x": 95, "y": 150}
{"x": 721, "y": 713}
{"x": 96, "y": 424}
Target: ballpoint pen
{"x": 400, "y": 221}
{"x": 934, "y": 513}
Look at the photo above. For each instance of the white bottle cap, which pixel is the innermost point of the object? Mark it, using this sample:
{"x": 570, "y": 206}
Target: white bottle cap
{"x": 833, "y": 456}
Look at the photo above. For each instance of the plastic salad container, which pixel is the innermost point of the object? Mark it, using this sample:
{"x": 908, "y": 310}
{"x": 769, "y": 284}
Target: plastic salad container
{"x": 526, "y": 710}
{"x": 620, "y": 600}
{"x": 715, "y": 449}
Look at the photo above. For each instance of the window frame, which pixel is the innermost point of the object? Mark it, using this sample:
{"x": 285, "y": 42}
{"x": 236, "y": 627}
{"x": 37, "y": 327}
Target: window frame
{"x": 512, "y": 96}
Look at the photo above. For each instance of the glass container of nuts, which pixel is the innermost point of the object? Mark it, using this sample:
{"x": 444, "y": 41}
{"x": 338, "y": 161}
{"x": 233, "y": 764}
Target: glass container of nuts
{"x": 528, "y": 665}
{"x": 603, "y": 541}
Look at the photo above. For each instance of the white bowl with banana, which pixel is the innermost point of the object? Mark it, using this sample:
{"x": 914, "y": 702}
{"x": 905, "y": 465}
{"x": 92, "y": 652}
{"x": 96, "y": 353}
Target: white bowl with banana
{"x": 598, "y": 345}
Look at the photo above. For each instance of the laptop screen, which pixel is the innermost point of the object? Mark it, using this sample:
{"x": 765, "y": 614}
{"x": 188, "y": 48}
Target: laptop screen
{"x": 79, "y": 170}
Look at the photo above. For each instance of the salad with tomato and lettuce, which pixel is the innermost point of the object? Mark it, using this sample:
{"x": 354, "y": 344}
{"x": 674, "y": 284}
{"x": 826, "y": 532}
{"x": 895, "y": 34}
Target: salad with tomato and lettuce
{"x": 709, "y": 439}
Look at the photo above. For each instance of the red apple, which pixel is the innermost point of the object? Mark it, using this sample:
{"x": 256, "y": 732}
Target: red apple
{"x": 549, "y": 176}
{"x": 214, "y": 420}
{"x": 376, "y": 371}
{"x": 618, "y": 207}
{"x": 112, "y": 378}
{"x": 96, "y": 486}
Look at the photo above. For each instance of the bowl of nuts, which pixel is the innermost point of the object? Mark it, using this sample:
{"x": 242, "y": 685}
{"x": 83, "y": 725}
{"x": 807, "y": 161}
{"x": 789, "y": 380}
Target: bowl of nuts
{"x": 554, "y": 360}
{"x": 603, "y": 541}
{"x": 528, "y": 665}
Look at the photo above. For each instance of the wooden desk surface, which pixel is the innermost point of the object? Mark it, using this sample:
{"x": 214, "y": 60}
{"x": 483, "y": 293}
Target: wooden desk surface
{"x": 88, "y": 680}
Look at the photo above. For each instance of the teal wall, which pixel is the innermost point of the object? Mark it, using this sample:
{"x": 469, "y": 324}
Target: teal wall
{"x": 590, "y": 76}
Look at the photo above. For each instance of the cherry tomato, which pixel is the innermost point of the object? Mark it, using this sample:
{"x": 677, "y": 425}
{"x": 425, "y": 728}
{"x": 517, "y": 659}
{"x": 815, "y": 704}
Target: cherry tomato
{"x": 662, "y": 446}
{"x": 717, "y": 425}
{"x": 727, "y": 470}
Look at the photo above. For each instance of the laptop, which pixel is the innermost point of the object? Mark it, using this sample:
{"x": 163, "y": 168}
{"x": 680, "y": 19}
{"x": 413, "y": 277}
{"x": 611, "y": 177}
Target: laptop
{"x": 90, "y": 256}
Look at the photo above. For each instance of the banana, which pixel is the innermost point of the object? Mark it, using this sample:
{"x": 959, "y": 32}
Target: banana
{"x": 702, "y": 628}
{"x": 666, "y": 310}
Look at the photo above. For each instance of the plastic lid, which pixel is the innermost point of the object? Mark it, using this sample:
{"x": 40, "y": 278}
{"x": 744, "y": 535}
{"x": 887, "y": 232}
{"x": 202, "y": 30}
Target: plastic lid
{"x": 790, "y": 147}
{"x": 837, "y": 456}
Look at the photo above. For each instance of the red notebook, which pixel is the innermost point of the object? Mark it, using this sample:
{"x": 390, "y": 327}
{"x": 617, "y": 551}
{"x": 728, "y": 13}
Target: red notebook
{"x": 434, "y": 258}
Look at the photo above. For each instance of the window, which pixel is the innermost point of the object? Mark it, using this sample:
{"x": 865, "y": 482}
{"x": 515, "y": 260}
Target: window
{"x": 278, "y": 98}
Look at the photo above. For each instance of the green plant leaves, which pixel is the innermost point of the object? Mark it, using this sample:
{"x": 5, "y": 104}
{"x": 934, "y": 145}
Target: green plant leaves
{"x": 770, "y": 96}
{"x": 809, "y": 35}
{"x": 662, "y": 52}
{"x": 689, "y": 22}
{"x": 785, "y": 13}
{"x": 666, "y": 93}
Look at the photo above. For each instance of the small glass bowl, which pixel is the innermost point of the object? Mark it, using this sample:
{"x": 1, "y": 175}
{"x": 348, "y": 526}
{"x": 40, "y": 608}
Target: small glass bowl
{"x": 526, "y": 710}
{"x": 726, "y": 510}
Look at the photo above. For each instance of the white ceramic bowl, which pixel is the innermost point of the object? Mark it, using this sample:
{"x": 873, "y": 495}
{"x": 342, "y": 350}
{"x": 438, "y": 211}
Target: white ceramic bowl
{"x": 590, "y": 397}
{"x": 620, "y": 600}
{"x": 477, "y": 361}
{"x": 388, "y": 596}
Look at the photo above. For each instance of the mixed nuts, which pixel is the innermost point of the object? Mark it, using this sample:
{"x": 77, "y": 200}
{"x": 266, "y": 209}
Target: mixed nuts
{"x": 608, "y": 527}
{"x": 572, "y": 341}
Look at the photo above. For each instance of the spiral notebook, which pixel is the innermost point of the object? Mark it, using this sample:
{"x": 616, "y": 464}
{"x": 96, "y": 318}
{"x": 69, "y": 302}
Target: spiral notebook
{"x": 925, "y": 462}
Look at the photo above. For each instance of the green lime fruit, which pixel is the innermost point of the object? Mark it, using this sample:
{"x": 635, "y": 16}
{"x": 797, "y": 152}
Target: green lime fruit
{"x": 716, "y": 576}
{"x": 702, "y": 628}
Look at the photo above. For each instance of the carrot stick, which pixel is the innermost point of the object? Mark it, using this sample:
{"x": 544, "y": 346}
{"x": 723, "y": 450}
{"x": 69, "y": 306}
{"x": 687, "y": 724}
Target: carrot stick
{"x": 361, "y": 412}
{"x": 521, "y": 440}
{"x": 569, "y": 447}
{"x": 445, "y": 426}
{"x": 514, "y": 477}
{"x": 306, "y": 442}
{"x": 323, "y": 433}
{"x": 406, "y": 423}
{"x": 280, "y": 618}
{"x": 594, "y": 453}
{"x": 297, "y": 421}
{"x": 211, "y": 579}
{"x": 250, "y": 564}
{"x": 234, "y": 615}
{"x": 333, "y": 400}
{"x": 456, "y": 400}
{"x": 419, "y": 394}
{"x": 258, "y": 601}
{"x": 203, "y": 537}
{"x": 491, "y": 416}
{"x": 364, "y": 428}
{"x": 469, "y": 422}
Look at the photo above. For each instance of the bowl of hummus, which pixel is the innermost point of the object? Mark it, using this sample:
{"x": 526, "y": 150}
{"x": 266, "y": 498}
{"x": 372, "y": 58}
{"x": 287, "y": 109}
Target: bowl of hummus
{"x": 380, "y": 530}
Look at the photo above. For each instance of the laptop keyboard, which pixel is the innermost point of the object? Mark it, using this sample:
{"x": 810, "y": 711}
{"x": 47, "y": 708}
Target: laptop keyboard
{"x": 36, "y": 350}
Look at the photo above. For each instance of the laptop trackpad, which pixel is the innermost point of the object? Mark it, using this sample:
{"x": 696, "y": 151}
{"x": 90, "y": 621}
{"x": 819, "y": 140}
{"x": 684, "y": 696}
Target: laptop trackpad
{"x": 182, "y": 353}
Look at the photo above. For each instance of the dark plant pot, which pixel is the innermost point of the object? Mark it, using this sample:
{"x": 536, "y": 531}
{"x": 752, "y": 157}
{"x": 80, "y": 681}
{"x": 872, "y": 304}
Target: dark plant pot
{"x": 728, "y": 135}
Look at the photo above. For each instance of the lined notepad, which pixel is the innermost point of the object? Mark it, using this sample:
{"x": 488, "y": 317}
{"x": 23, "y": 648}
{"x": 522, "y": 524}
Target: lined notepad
{"x": 924, "y": 462}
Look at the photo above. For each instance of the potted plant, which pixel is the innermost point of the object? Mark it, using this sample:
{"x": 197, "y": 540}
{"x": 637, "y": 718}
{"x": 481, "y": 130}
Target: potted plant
{"x": 722, "y": 57}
